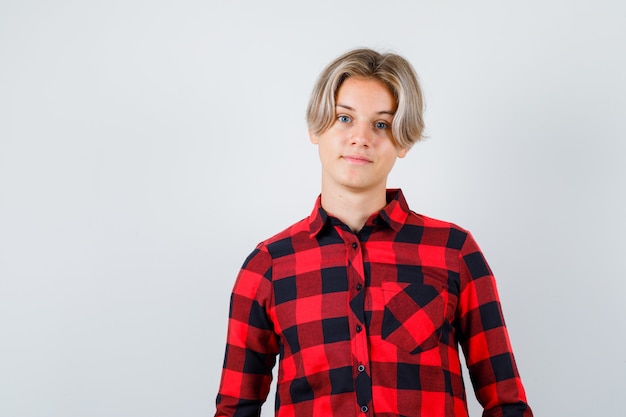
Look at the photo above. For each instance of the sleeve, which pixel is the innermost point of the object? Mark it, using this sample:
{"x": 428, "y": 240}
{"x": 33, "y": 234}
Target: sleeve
{"x": 484, "y": 339}
{"x": 251, "y": 344}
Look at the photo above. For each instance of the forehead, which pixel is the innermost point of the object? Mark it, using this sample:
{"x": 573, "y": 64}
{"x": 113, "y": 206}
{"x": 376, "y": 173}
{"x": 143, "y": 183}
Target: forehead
{"x": 367, "y": 93}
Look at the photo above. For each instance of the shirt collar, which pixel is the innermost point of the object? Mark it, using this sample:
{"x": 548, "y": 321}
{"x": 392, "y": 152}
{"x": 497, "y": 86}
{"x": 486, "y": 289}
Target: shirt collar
{"x": 394, "y": 214}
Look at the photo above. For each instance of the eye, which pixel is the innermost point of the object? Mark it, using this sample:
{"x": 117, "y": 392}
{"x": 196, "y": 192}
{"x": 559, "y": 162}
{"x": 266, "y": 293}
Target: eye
{"x": 342, "y": 118}
{"x": 381, "y": 125}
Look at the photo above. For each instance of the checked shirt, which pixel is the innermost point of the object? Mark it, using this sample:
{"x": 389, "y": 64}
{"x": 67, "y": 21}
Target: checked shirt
{"x": 368, "y": 324}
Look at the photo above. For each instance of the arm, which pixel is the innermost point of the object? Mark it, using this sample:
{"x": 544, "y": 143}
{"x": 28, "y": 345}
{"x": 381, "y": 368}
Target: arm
{"x": 485, "y": 341}
{"x": 251, "y": 344}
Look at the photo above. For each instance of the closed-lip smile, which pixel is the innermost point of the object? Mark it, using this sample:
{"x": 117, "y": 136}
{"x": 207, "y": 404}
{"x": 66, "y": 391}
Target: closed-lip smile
{"x": 356, "y": 159}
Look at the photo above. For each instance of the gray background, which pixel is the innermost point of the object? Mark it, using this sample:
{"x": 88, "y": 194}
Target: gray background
{"x": 147, "y": 146}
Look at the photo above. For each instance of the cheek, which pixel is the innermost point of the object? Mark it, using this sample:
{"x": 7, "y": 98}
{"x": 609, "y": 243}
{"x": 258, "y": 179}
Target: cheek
{"x": 325, "y": 152}
{"x": 329, "y": 146}
{"x": 390, "y": 160}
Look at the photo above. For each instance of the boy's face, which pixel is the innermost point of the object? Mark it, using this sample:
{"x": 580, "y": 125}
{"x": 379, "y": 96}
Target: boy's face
{"x": 358, "y": 152}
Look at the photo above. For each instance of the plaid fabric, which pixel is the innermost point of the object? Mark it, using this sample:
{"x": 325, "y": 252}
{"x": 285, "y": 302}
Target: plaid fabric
{"x": 368, "y": 323}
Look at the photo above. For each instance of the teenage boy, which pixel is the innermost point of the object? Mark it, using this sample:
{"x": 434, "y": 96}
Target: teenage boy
{"x": 365, "y": 301}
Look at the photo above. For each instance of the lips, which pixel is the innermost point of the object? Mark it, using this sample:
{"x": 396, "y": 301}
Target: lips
{"x": 356, "y": 159}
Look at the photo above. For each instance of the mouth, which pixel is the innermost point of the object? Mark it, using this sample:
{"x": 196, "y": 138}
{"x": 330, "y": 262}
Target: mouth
{"x": 356, "y": 159}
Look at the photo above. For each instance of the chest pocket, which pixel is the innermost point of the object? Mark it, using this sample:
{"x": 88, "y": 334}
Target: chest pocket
{"x": 414, "y": 316}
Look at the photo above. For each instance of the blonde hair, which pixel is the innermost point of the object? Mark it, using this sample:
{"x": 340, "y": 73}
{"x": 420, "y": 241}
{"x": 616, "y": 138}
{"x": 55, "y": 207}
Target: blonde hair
{"x": 393, "y": 70}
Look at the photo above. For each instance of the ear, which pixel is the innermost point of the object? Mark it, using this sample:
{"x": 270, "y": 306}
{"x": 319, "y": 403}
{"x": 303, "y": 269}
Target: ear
{"x": 313, "y": 138}
{"x": 402, "y": 152}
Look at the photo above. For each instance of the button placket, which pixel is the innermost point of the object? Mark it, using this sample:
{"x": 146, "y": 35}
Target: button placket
{"x": 356, "y": 275}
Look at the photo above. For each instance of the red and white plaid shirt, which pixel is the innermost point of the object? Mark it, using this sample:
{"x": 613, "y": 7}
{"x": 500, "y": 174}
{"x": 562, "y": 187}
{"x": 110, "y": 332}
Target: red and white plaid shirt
{"x": 368, "y": 324}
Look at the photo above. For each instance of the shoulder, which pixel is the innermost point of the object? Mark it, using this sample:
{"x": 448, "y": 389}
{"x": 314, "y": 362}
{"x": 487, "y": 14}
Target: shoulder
{"x": 434, "y": 223}
{"x": 439, "y": 232}
{"x": 282, "y": 243}
{"x": 262, "y": 257}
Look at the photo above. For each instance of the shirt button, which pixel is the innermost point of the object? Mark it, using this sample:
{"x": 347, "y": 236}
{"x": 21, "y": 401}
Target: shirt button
{"x": 364, "y": 408}
{"x": 358, "y": 328}
{"x": 354, "y": 245}
{"x": 361, "y": 368}
{"x": 359, "y": 287}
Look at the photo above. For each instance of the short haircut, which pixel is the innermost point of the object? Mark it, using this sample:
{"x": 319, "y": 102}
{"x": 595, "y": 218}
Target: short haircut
{"x": 393, "y": 70}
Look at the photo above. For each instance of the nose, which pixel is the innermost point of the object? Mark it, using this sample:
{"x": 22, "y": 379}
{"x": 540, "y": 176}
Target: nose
{"x": 362, "y": 135}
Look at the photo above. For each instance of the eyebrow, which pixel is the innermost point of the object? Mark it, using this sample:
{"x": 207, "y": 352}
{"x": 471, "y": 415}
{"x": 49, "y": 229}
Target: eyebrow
{"x": 389, "y": 112}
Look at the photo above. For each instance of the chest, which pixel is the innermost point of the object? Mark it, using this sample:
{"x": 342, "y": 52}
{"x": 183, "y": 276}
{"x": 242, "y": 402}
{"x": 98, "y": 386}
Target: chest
{"x": 386, "y": 289}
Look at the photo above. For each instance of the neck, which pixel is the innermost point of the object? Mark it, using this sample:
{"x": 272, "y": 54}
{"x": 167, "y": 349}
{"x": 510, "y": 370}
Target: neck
{"x": 353, "y": 208}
